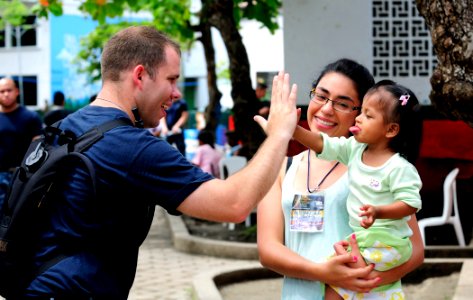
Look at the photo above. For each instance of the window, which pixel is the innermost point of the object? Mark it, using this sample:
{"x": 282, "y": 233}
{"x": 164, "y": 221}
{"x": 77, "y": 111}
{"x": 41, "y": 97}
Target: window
{"x": 24, "y": 35}
{"x": 29, "y": 85}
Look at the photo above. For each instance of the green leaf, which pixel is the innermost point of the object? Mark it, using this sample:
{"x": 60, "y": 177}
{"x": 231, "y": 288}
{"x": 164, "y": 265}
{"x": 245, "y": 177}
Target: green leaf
{"x": 55, "y": 8}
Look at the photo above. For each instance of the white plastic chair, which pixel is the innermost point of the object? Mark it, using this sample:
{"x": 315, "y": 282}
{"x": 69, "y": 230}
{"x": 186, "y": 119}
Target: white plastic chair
{"x": 228, "y": 166}
{"x": 450, "y": 206}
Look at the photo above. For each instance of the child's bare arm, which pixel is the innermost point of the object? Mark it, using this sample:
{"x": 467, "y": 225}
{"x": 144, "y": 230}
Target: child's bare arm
{"x": 310, "y": 139}
{"x": 396, "y": 210}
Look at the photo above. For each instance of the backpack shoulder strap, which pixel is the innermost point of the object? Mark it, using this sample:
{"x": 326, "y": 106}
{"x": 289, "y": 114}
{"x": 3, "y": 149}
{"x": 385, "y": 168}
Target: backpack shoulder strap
{"x": 87, "y": 140}
{"x": 90, "y": 137}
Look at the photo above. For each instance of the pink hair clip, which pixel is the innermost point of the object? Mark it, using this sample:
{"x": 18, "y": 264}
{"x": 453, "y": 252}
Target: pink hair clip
{"x": 404, "y": 99}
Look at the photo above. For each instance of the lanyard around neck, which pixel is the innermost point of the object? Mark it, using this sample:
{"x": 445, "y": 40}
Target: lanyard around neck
{"x": 323, "y": 179}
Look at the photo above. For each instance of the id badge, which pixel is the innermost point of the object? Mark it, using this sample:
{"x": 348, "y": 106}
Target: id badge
{"x": 307, "y": 213}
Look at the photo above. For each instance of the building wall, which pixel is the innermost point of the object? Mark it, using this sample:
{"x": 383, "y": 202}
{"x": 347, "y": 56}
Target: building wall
{"x": 31, "y": 61}
{"x": 387, "y": 36}
{"x": 66, "y": 32}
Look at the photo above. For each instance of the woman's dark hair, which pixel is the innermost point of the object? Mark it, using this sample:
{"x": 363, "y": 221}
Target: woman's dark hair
{"x": 360, "y": 75}
{"x": 206, "y": 137}
{"x": 405, "y": 113}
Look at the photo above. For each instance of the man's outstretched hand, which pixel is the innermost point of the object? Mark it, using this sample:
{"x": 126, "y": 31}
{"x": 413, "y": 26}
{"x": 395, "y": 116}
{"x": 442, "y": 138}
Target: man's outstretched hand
{"x": 283, "y": 115}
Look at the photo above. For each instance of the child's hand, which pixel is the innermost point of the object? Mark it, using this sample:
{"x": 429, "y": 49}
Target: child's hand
{"x": 369, "y": 212}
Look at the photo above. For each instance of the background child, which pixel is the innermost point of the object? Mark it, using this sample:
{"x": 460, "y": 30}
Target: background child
{"x": 384, "y": 184}
{"x": 206, "y": 156}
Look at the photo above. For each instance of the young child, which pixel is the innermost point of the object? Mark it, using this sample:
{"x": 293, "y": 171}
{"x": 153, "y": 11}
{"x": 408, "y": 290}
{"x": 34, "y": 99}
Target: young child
{"x": 384, "y": 184}
{"x": 206, "y": 156}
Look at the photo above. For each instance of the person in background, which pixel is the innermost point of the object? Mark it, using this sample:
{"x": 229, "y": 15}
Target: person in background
{"x": 172, "y": 126}
{"x": 383, "y": 181}
{"x": 263, "y": 103}
{"x": 57, "y": 111}
{"x": 18, "y": 127}
{"x": 299, "y": 252}
{"x": 232, "y": 145}
{"x": 206, "y": 156}
{"x": 92, "y": 98}
{"x": 95, "y": 232}
{"x": 156, "y": 131}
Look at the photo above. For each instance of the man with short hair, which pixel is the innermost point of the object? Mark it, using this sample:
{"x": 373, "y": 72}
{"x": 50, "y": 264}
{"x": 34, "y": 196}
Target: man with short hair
{"x": 18, "y": 127}
{"x": 98, "y": 235}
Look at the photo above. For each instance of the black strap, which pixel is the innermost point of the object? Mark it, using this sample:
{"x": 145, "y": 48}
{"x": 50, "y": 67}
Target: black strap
{"x": 289, "y": 162}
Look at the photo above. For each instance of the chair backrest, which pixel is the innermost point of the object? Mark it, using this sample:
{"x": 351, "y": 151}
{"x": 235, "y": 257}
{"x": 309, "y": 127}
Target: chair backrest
{"x": 450, "y": 195}
{"x": 230, "y": 165}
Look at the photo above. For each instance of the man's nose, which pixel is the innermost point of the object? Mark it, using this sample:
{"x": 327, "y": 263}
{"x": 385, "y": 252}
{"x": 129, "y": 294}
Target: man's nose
{"x": 176, "y": 94}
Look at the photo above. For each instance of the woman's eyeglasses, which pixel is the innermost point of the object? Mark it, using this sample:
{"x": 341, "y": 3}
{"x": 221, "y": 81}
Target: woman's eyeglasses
{"x": 345, "y": 106}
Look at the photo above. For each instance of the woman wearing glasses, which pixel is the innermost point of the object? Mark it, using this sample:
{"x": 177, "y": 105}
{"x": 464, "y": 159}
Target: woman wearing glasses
{"x": 304, "y": 214}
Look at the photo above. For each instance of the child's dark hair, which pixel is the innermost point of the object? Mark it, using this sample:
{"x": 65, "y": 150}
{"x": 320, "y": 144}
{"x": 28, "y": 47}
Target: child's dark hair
{"x": 356, "y": 72}
{"x": 405, "y": 111}
{"x": 206, "y": 137}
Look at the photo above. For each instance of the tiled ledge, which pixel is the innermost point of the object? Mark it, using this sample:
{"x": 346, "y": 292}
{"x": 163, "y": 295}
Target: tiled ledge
{"x": 185, "y": 242}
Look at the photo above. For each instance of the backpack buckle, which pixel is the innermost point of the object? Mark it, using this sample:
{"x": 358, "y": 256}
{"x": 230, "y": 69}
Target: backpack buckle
{"x": 36, "y": 158}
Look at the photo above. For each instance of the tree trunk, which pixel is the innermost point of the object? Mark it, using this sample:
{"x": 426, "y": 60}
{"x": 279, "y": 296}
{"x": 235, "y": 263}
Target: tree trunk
{"x": 243, "y": 94}
{"x": 451, "y": 27}
{"x": 213, "y": 109}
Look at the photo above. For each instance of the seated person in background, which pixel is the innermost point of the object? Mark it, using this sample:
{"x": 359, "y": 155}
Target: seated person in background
{"x": 206, "y": 156}
{"x": 57, "y": 111}
{"x": 232, "y": 146}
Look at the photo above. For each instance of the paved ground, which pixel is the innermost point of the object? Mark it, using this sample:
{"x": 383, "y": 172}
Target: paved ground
{"x": 166, "y": 274}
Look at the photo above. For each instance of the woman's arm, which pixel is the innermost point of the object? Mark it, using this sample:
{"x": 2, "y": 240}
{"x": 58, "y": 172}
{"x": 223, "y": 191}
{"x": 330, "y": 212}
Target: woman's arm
{"x": 276, "y": 256}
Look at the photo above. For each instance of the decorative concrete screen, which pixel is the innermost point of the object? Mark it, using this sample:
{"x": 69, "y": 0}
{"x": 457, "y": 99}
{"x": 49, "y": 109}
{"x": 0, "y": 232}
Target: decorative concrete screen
{"x": 401, "y": 42}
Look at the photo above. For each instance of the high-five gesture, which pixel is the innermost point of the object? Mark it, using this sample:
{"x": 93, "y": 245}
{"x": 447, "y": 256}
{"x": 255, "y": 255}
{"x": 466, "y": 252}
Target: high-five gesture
{"x": 283, "y": 112}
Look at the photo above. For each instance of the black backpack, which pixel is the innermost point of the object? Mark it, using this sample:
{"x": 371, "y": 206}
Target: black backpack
{"x": 44, "y": 162}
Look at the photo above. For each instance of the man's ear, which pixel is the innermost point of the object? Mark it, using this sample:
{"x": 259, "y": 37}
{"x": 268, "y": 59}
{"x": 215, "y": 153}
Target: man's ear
{"x": 392, "y": 130}
{"x": 138, "y": 73}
